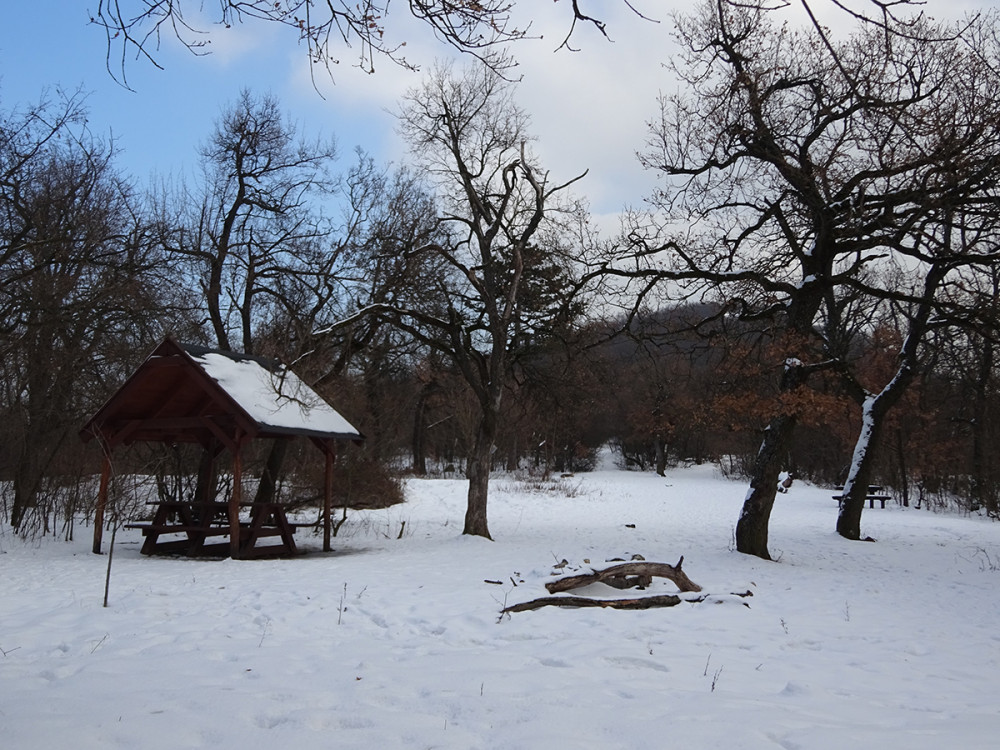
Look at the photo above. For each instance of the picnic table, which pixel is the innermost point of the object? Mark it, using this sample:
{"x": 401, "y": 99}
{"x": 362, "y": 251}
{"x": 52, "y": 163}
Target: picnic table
{"x": 188, "y": 526}
{"x": 875, "y": 492}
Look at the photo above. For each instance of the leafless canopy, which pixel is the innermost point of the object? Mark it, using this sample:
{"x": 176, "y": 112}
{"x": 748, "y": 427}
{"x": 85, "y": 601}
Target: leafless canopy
{"x": 134, "y": 27}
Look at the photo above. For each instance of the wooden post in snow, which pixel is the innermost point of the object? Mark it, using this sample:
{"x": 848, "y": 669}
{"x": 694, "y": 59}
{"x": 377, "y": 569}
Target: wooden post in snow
{"x": 235, "y": 498}
{"x": 330, "y": 452}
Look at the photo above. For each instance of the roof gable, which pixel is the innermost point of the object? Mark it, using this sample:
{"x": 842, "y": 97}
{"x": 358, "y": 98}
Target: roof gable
{"x": 189, "y": 393}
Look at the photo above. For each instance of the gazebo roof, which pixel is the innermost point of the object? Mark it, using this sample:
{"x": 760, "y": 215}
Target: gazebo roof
{"x": 184, "y": 393}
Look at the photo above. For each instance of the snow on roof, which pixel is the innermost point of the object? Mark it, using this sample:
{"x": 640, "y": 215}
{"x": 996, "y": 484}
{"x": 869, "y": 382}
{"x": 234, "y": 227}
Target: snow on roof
{"x": 277, "y": 398}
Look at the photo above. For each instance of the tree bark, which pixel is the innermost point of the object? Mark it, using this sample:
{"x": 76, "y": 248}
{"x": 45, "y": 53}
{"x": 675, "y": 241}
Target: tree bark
{"x": 904, "y": 481}
{"x": 984, "y": 491}
{"x": 852, "y": 501}
{"x": 272, "y": 471}
{"x": 478, "y": 473}
{"x": 102, "y": 501}
{"x": 661, "y": 456}
{"x": 208, "y": 477}
{"x": 874, "y": 411}
{"x": 419, "y": 443}
{"x": 875, "y": 408}
{"x": 752, "y": 527}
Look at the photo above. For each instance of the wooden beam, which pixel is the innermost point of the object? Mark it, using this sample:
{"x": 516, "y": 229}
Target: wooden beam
{"x": 232, "y": 442}
{"x": 235, "y": 498}
{"x": 331, "y": 456}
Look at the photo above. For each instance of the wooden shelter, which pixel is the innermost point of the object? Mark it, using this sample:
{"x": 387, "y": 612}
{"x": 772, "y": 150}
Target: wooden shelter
{"x": 220, "y": 400}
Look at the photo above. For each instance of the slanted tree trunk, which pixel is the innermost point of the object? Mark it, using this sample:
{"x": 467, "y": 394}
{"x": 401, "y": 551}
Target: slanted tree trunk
{"x": 751, "y": 529}
{"x": 874, "y": 411}
{"x": 876, "y": 407}
{"x": 208, "y": 476}
{"x": 852, "y": 501}
{"x": 272, "y": 471}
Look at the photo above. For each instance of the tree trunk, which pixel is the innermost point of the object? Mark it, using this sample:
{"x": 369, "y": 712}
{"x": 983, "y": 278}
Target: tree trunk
{"x": 478, "y": 473}
{"x": 984, "y": 492}
{"x": 904, "y": 480}
{"x": 272, "y": 471}
{"x": 874, "y": 411}
{"x": 26, "y": 480}
{"x": 419, "y": 443}
{"x": 751, "y": 529}
{"x": 855, "y": 491}
{"x": 208, "y": 477}
{"x": 661, "y": 456}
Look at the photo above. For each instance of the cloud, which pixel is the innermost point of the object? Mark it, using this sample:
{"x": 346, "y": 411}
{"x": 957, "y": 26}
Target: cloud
{"x": 589, "y": 108}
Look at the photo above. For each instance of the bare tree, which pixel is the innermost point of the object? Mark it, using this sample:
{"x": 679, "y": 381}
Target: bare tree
{"x": 466, "y": 25}
{"x": 496, "y": 210}
{"x": 475, "y": 27}
{"x": 76, "y": 285}
{"x": 796, "y": 168}
{"x": 253, "y": 226}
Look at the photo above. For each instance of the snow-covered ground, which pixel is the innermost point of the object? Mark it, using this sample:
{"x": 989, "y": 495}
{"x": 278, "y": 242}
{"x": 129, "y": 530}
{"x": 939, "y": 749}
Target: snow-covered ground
{"x": 398, "y": 643}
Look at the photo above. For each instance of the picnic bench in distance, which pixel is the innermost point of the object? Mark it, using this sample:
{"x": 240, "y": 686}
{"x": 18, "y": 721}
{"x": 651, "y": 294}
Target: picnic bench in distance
{"x": 199, "y": 521}
{"x": 875, "y": 492}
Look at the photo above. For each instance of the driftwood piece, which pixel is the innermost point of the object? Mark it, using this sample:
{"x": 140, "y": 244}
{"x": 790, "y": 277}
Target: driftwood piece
{"x": 644, "y": 602}
{"x": 627, "y": 575}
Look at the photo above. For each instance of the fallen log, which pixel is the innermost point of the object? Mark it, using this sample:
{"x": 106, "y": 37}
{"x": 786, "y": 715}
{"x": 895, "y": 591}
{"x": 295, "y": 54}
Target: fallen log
{"x": 627, "y": 575}
{"x": 644, "y": 602}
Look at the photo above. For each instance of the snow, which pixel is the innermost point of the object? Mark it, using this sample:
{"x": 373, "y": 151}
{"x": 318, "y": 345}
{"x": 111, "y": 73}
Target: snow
{"x": 274, "y": 399}
{"x": 398, "y": 643}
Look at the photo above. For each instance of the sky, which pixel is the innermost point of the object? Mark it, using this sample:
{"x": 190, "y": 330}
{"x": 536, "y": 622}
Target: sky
{"x": 589, "y": 108}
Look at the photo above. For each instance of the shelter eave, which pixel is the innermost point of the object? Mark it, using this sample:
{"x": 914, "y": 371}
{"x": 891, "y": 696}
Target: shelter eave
{"x": 268, "y": 431}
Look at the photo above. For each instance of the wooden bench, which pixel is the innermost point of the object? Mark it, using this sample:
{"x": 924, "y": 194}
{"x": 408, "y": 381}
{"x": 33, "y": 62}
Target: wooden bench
{"x": 874, "y": 493}
{"x": 199, "y": 521}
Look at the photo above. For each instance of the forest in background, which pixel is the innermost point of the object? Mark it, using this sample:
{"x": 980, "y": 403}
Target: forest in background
{"x": 462, "y": 312}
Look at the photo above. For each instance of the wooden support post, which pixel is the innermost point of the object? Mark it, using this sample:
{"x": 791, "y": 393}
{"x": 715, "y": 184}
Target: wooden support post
{"x": 102, "y": 501}
{"x": 234, "y": 501}
{"x": 331, "y": 456}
